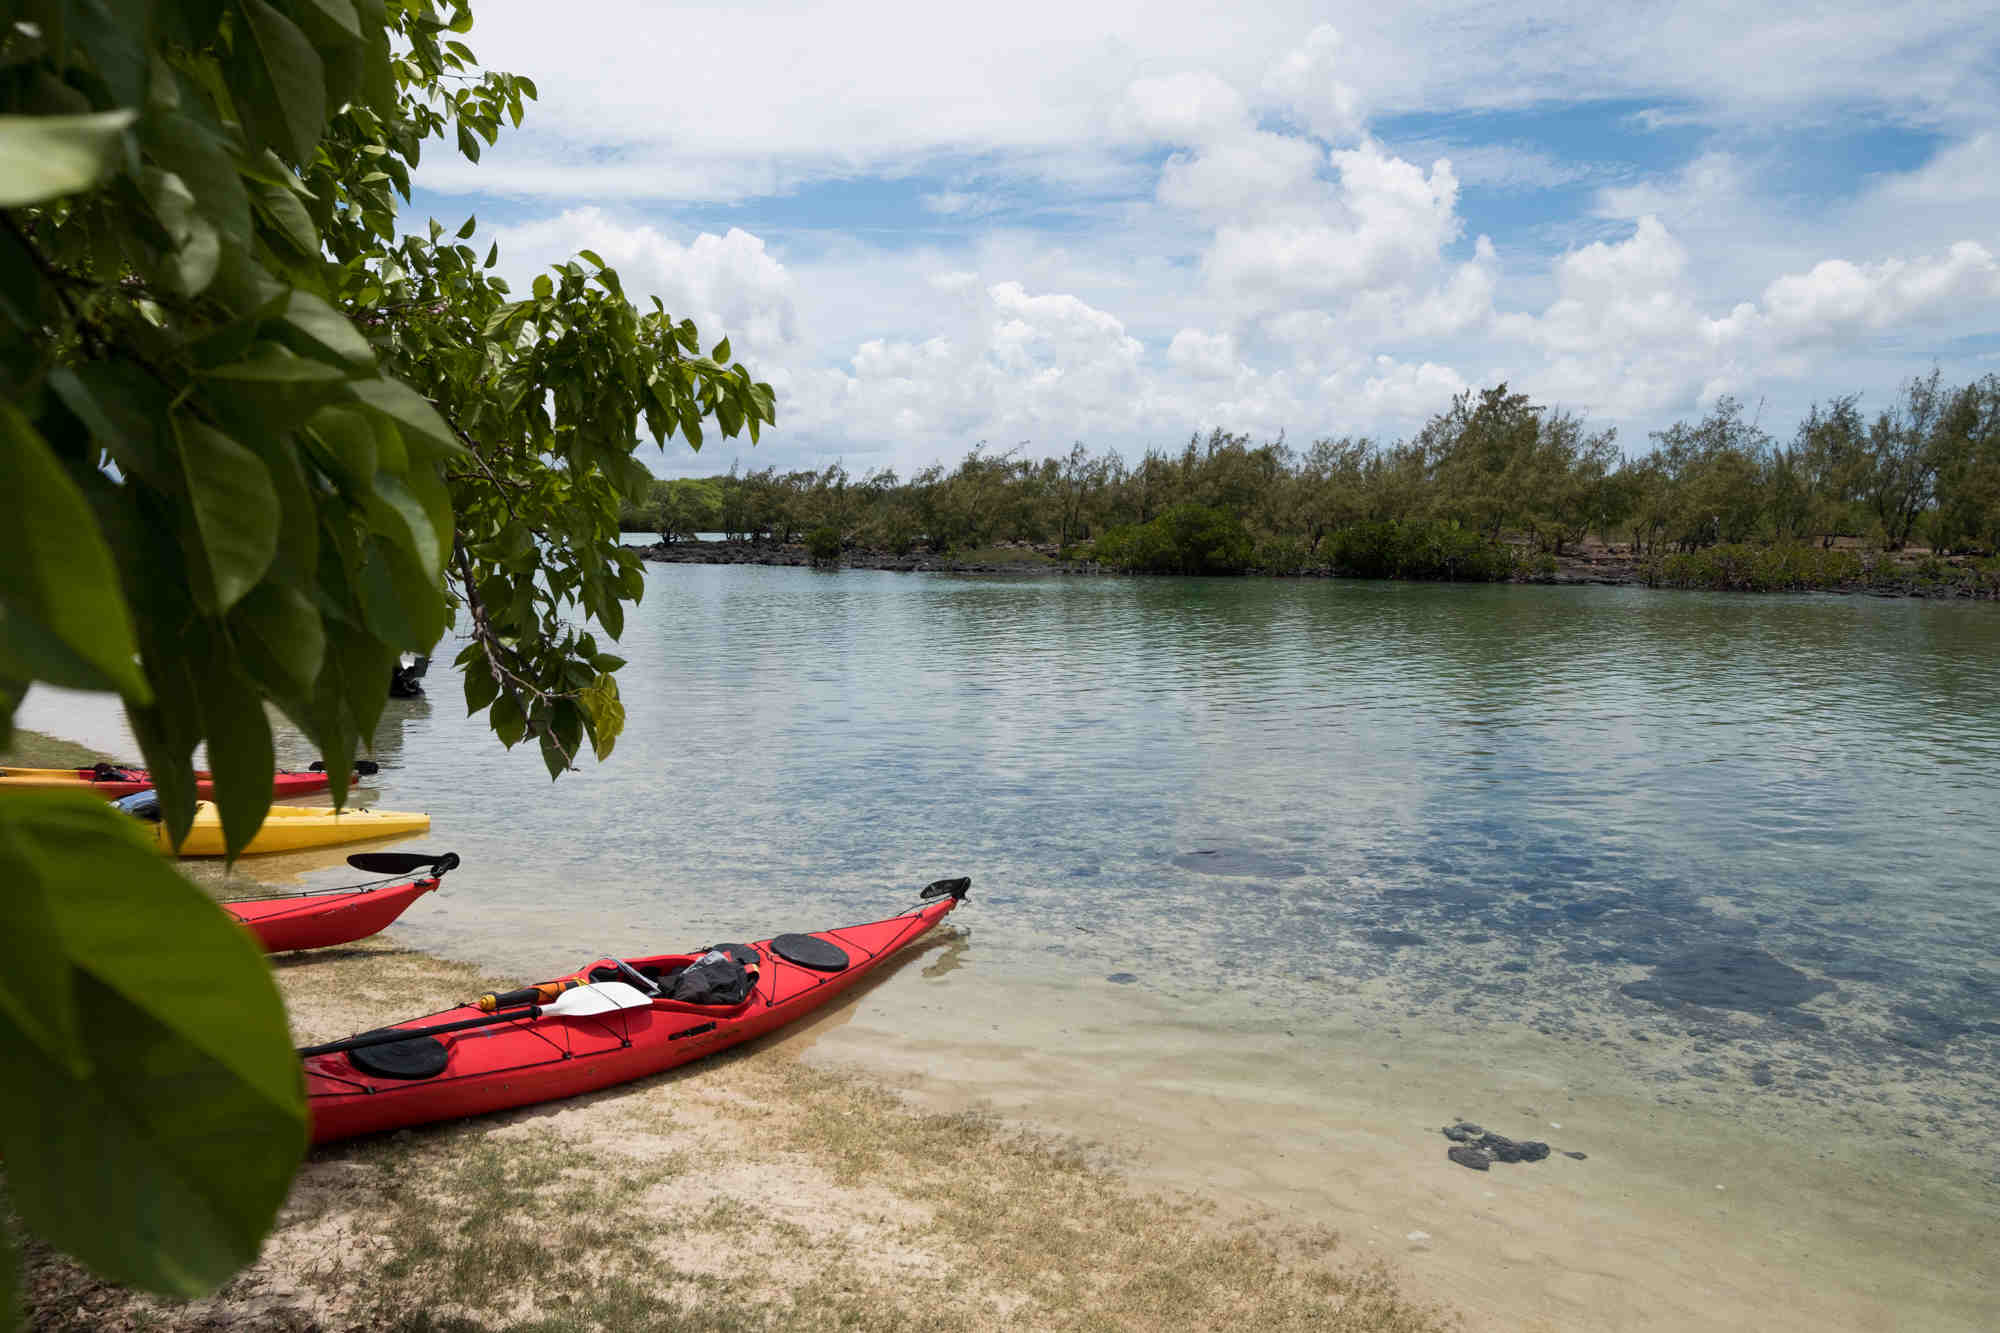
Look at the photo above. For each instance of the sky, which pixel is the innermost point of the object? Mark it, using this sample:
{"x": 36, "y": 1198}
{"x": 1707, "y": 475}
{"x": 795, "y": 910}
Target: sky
{"x": 1028, "y": 225}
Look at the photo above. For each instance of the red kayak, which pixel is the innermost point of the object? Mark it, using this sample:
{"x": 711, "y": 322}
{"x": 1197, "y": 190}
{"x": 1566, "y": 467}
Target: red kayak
{"x": 611, "y": 1022}
{"x": 339, "y": 916}
{"x": 115, "y": 780}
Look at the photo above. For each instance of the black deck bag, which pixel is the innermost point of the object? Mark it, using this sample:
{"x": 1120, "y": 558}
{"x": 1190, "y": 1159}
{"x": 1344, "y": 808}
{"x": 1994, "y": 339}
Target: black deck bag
{"x": 713, "y": 978}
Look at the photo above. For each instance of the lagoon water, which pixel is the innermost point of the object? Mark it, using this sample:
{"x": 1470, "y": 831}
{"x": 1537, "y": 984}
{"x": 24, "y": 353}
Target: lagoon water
{"x": 1715, "y": 873}
{"x": 1550, "y": 805}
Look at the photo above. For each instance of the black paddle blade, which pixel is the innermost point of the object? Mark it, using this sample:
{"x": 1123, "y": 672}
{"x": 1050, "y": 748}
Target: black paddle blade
{"x": 402, "y": 863}
{"x": 955, "y": 887}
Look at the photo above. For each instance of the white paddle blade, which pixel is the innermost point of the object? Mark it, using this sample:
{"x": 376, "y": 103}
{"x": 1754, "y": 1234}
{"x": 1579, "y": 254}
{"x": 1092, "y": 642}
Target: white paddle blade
{"x": 597, "y": 998}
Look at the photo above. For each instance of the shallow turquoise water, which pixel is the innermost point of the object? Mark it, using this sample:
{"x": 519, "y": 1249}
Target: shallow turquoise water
{"x": 1762, "y": 825}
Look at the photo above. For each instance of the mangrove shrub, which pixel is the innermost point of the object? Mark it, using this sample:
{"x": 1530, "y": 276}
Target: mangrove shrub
{"x": 1418, "y": 549}
{"x": 1186, "y": 539}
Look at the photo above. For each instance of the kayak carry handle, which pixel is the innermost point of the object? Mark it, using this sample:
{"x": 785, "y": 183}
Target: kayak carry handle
{"x": 957, "y": 888}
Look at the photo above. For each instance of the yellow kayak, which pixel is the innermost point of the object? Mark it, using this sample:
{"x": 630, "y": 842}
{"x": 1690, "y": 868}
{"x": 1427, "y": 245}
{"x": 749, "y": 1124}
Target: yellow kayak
{"x": 288, "y": 828}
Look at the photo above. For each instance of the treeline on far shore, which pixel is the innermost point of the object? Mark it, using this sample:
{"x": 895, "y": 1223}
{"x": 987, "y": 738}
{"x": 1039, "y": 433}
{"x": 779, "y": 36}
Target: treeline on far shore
{"x": 1495, "y": 487}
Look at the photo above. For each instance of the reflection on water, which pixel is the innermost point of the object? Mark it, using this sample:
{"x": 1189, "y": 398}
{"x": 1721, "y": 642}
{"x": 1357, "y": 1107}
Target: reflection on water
{"x": 1741, "y": 845}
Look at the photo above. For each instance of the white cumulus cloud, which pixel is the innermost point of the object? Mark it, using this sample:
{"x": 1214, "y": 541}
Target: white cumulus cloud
{"x": 728, "y": 285}
{"x": 1306, "y": 82}
{"x": 1838, "y": 297}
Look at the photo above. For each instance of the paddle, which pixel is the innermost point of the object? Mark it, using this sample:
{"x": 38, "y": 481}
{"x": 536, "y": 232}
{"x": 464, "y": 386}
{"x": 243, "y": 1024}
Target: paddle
{"x": 601, "y": 998}
{"x": 402, "y": 863}
{"x": 367, "y": 768}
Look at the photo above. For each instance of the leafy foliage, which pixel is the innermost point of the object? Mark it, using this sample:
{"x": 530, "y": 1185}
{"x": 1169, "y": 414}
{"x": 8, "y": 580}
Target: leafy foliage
{"x": 1186, "y": 539}
{"x": 1744, "y": 568}
{"x": 823, "y": 545}
{"x": 1509, "y": 472}
{"x": 1416, "y": 549}
{"x": 260, "y": 441}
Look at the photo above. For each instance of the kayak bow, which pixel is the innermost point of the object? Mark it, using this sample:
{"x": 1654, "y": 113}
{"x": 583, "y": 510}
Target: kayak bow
{"x": 336, "y": 916}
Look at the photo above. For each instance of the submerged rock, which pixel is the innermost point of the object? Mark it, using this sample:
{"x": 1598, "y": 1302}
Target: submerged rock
{"x": 1478, "y": 1142}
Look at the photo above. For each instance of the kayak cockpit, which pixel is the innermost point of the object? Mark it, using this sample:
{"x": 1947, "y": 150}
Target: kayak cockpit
{"x": 723, "y": 976}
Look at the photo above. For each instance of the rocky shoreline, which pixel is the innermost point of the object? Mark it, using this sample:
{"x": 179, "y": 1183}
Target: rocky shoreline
{"x": 1603, "y": 568}
{"x": 1024, "y": 558}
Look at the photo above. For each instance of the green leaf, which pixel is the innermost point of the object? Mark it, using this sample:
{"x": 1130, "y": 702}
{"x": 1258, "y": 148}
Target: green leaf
{"x": 278, "y": 632}
{"x": 605, "y": 713}
{"x": 562, "y": 735}
{"x": 506, "y": 720}
{"x": 492, "y": 256}
{"x": 404, "y": 605}
{"x": 290, "y": 218}
{"x": 591, "y": 255}
{"x": 347, "y": 444}
{"x": 116, "y": 37}
{"x": 297, "y": 81}
{"x": 480, "y": 686}
{"x": 395, "y": 511}
{"x": 328, "y": 329}
{"x": 721, "y": 352}
{"x": 197, "y": 248}
{"x": 63, "y": 617}
{"x": 611, "y": 615}
{"x": 471, "y": 225}
{"x": 273, "y": 364}
{"x": 409, "y": 410}
{"x": 45, "y": 157}
{"x": 235, "y": 509}
{"x": 239, "y": 750}
{"x": 34, "y": 977}
{"x": 192, "y": 150}
{"x": 543, "y": 288}
{"x": 165, "y": 1165}
{"x": 340, "y": 14}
